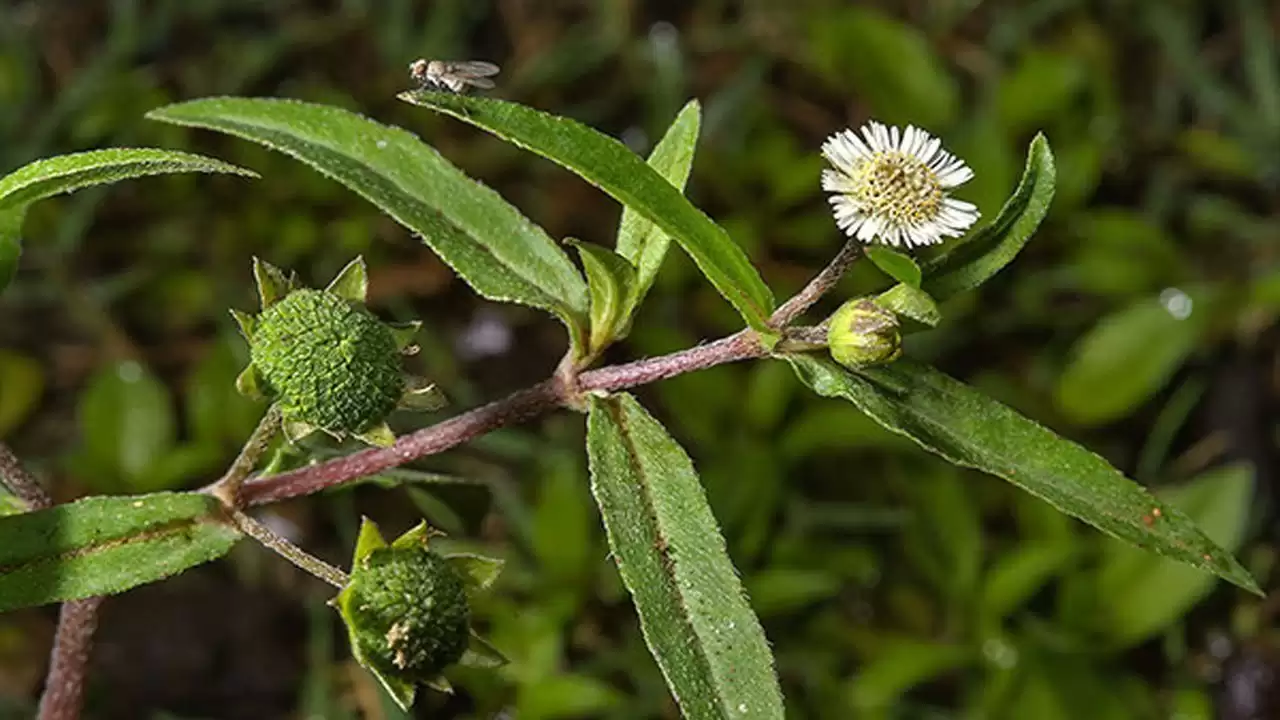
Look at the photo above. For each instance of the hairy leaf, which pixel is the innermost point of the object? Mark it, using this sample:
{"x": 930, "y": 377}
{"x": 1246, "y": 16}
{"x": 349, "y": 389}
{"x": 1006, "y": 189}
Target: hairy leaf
{"x": 1138, "y": 594}
{"x": 496, "y": 249}
{"x": 974, "y": 260}
{"x": 639, "y": 239}
{"x": 963, "y": 426}
{"x": 693, "y": 610}
{"x": 105, "y": 545}
{"x": 67, "y": 173}
{"x": 609, "y": 165}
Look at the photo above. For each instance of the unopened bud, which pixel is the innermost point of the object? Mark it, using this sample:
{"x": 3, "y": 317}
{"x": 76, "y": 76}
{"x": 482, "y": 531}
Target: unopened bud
{"x": 862, "y": 333}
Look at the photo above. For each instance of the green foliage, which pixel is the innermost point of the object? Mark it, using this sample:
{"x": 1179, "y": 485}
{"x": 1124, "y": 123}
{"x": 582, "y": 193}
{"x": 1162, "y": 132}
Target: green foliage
{"x": 613, "y": 283}
{"x": 498, "y": 251}
{"x": 608, "y": 164}
{"x": 896, "y": 265}
{"x": 672, "y": 558}
{"x": 1138, "y": 595}
{"x": 961, "y": 425}
{"x": 1128, "y": 356}
{"x": 973, "y": 260}
{"x": 67, "y": 173}
{"x": 640, "y": 240}
{"x": 21, "y": 383}
{"x": 892, "y": 64}
{"x": 106, "y": 545}
{"x": 841, "y": 529}
{"x": 129, "y": 434}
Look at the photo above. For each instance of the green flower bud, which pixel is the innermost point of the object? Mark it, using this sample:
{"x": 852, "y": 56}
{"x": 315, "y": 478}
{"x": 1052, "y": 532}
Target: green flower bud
{"x": 327, "y": 361}
{"x": 862, "y": 333}
{"x": 407, "y": 611}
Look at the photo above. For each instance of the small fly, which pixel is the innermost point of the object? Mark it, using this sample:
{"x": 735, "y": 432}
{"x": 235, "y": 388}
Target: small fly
{"x": 453, "y": 76}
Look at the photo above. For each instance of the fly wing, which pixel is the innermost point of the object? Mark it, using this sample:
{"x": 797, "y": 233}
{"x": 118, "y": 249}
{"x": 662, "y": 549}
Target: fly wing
{"x": 474, "y": 69}
{"x": 482, "y": 83}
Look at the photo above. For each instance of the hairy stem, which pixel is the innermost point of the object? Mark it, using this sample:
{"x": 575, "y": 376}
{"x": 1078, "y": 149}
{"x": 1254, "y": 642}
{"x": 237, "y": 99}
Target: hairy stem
{"x": 294, "y": 554}
{"x": 227, "y": 489}
{"x": 20, "y": 482}
{"x": 69, "y": 662}
{"x": 541, "y": 398}
{"x": 820, "y": 285}
{"x": 515, "y": 408}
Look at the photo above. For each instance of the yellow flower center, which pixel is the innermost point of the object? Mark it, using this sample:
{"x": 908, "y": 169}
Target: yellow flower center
{"x": 899, "y": 187}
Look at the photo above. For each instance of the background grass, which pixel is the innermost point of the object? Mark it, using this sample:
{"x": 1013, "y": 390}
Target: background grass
{"x": 890, "y": 584}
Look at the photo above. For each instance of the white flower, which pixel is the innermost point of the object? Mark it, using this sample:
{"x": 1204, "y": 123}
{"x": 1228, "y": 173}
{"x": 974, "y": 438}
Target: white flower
{"x": 892, "y": 187}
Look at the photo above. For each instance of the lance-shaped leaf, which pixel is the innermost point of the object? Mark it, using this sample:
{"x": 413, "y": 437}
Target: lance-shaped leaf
{"x": 106, "y": 545}
{"x": 640, "y": 240}
{"x": 613, "y": 168}
{"x": 491, "y": 245}
{"x": 974, "y": 260}
{"x": 693, "y": 609}
{"x": 66, "y": 173}
{"x": 963, "y": 426}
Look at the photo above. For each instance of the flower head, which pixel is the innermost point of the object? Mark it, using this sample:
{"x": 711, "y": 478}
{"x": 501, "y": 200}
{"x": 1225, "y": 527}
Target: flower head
{"x": 326, "y": 361}
{"x": 892, "y": 187}
{"x": 408, "y": 610}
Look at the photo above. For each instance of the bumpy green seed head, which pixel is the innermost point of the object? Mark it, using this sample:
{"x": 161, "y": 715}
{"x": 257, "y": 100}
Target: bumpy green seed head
{"x": 327, "y": 361}
{"x": 862, "y": 333}
{"x": 408, "y": 613}
{"x": 407, "y": 610}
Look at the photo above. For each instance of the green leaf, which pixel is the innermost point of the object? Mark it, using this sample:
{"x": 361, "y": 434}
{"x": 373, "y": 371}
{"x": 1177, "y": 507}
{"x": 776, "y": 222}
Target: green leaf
{"x": 1019, "y": 573}
{"x": 911, "y": 303}
{"x": 1138, "y": 594}
{"x": 890, "y": 65}
{"x": 67, "y": 173}
{"x": 1126, "y": 358}
{"x": 693, "y": 611}
{"x": 898, "y": 665}
{"x": 127, "y": 424}
{"x": 498, "y": 251}
{"x": 21, "y": 385}
{"x": 608, "y": 164}
{"x": 639, "y": 239}
{"x": 896, "y": 265}
{"x": 963, "y": 426}
{"x": 975, "y": 259}
{"x": 106, "y": 545}
{"x": 612, "y": 280}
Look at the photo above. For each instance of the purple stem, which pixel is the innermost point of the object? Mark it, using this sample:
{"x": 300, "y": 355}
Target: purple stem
{"x": 77, "y": 620}
{"x": 515, "y": 408}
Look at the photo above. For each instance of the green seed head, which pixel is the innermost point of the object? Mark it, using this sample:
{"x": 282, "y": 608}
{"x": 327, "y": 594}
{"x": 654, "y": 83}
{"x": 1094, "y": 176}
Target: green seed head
{"x": 862, "y": 333}
{"x": 327, "y": 361}
{"x": 407, "y": 611}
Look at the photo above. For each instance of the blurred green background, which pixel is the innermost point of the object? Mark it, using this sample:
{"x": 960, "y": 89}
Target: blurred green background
{"x": 1142, "y": 321}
